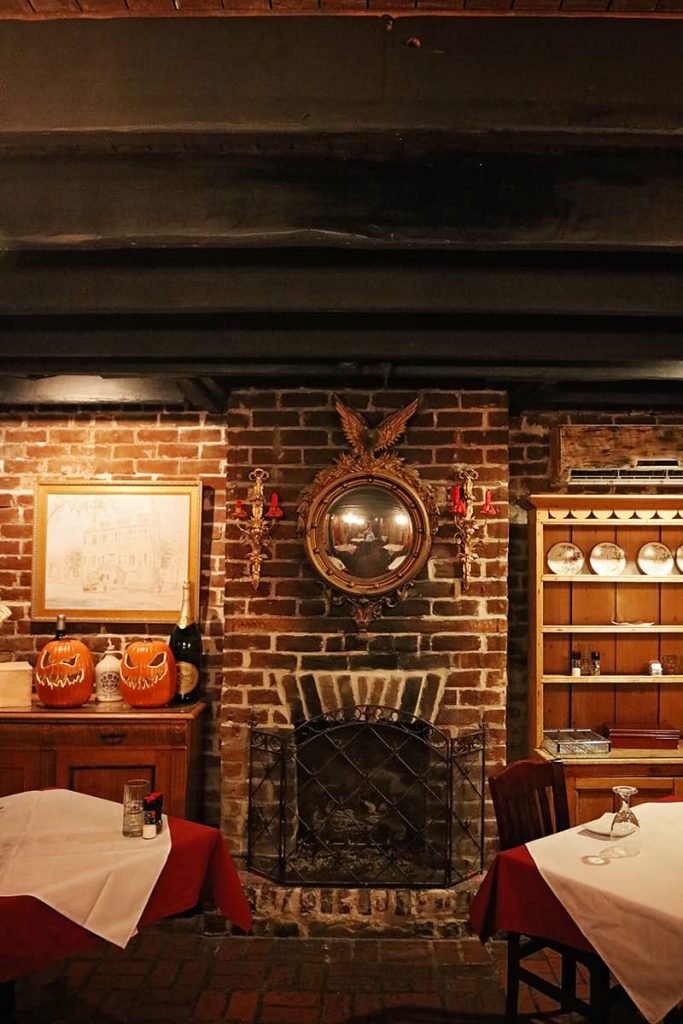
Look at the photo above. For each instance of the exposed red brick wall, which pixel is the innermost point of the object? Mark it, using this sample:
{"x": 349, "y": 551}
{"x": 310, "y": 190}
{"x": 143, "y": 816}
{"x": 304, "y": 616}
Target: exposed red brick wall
{"x": 258, "y": 643}
{"x": 114, "y": 444}
{"x": 530, "y": 472}
{"x": 288, "y": 628}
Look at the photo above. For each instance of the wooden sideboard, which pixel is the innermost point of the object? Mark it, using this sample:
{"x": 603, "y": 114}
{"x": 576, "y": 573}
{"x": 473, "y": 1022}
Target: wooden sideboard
{"x": 94, "y": 749}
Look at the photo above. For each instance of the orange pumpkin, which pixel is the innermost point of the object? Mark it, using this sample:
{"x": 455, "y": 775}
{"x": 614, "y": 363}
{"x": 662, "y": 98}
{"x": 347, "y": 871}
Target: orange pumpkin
{"x": 148, "y": 674}
{"x": 64, "y": 673}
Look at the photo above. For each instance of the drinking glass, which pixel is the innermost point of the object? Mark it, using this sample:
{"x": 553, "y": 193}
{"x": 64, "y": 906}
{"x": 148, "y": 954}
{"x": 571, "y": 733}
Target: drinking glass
{"x": 134, "y": 792}
{"x": 625, "y": 831}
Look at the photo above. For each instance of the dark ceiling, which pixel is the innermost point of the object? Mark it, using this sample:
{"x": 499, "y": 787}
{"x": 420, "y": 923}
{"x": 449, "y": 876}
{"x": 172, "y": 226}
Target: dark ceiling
{"x": 451, "y": 201}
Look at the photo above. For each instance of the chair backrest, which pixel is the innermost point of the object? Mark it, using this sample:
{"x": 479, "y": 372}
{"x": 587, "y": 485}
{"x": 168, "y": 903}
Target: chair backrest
{"x": 530, "y": 801}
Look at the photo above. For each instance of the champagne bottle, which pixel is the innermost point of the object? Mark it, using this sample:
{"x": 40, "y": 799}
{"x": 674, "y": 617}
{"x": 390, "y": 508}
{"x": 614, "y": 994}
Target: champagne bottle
{"x": 60, "y": 627}
{"x": 186, "y": 643}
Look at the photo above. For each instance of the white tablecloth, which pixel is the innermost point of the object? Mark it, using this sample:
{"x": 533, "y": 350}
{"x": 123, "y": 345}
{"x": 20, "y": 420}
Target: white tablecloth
{"x": 630, "y": 909}
{"x": 67, "y": 850}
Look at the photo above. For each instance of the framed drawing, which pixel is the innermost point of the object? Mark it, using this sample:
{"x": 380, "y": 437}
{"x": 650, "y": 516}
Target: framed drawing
{"x": 115, "y": 552}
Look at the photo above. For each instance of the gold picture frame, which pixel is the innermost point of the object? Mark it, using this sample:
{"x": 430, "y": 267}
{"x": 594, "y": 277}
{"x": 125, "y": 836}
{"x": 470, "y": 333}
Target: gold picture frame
{"x": 107, "y": 551}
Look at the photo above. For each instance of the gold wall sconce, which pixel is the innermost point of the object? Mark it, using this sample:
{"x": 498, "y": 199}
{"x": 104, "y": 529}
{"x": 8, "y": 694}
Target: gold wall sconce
{"x": 467, "y": 525}
{"x": 255, "y": 525}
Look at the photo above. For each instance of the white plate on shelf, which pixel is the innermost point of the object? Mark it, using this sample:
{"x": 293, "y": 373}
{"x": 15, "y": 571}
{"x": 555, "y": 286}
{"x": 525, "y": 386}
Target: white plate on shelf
{"x": 603, "y": 513}
{"x": 655, "y": 559}
{"x": 624, "y": 513}
{"x": 607, "y": 559}
{"x": 679, "y": 557}
{"x": 632, "y": 622}
{"x": 565, "y": 559}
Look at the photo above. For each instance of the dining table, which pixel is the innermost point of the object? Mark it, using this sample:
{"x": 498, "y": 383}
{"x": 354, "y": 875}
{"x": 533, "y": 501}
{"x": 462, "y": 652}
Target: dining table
{"x": 568, "y": 888}
{"x": 194, "y": 868}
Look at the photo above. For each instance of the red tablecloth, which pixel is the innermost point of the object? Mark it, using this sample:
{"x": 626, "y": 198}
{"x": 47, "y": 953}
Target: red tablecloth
{"x": 198, "y": 867}
{"x": 514, "y": 898}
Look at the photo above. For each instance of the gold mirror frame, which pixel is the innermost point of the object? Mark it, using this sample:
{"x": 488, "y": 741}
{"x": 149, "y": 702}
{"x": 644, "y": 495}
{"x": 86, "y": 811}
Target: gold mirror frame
{"x": 369, "y": 466}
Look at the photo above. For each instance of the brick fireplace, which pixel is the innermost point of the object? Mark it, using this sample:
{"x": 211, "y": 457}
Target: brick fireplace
{"x": 291, "y": 654}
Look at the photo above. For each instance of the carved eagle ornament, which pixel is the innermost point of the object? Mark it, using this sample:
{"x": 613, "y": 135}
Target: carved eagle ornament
{"x": 362, "y": 439}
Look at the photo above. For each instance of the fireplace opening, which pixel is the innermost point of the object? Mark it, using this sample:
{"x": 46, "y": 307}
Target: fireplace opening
{"x": 366, "y": 796}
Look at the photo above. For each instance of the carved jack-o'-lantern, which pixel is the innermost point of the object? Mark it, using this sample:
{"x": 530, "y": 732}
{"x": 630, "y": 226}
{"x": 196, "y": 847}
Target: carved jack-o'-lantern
{"x": 64, "y": 673}
{"x": 148, "y": 674}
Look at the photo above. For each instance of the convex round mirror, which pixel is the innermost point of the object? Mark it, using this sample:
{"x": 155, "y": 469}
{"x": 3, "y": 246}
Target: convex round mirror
{"x": 367, "y": 521}
{"x": 367, "y": 536}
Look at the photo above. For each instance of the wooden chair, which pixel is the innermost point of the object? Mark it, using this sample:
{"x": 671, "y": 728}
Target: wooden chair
{"x": 530, "y": 801}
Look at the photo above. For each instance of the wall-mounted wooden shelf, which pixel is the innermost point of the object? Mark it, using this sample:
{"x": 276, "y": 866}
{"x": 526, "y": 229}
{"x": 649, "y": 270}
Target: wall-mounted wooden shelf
{"x": 602, "y": 628}
{"x": 615, "y": 523}
{"x": 609, "y": 679}
{"x": 552, "y": 577}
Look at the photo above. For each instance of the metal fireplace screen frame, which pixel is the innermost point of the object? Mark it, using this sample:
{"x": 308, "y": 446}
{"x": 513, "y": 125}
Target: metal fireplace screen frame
{"x": 366, "y": 796}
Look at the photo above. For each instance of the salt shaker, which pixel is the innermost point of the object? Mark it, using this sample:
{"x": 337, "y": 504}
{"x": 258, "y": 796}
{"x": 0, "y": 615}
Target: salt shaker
{"x": 108, "y": 676}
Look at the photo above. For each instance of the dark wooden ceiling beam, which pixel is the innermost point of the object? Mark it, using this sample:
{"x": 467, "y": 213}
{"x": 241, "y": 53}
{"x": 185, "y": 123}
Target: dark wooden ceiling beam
{"x": 482, "y": 73}
{"x": 511, "y": 284}
{"x": 211, "y": 394}
{"x": 210, "y": 351}
{"x": 359, "y": 193}
{"x": 88, "y": 389}
{"x": 203, "y": 393}
{"x": 660, "y": 395}
{"x": 451, "y": 373}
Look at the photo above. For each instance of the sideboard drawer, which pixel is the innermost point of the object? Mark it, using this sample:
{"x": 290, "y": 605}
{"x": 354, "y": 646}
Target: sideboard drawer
{"x": 120, "y": 734}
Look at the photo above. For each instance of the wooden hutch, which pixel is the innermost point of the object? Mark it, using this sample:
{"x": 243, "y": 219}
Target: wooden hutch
{"x": 631, "y": 612}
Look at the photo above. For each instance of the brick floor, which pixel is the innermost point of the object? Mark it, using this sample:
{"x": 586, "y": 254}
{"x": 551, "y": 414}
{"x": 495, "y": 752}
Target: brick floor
{"x": 175, "y": 974}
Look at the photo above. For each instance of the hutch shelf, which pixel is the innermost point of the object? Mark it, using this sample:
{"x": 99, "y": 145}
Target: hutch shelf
{"x": 631, "y": 613}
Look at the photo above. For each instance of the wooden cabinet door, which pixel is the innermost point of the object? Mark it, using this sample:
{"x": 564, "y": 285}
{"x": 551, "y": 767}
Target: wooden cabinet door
{"x": 103, "y": 772}
{"x": 21, "y": 770}
{"x": 591, "y": 797}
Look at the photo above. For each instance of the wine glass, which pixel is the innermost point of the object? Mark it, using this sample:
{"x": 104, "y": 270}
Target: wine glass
{"x": 625, "y": 831}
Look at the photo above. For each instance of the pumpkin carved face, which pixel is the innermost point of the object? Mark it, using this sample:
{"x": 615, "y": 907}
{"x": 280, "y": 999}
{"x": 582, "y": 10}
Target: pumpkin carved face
{"x": 148, "y": 674}
{"x": 64, "y": 673}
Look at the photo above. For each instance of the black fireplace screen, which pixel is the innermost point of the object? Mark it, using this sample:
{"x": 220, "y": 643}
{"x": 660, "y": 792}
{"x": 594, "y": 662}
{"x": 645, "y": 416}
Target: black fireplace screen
{"x": 366, "y": 796}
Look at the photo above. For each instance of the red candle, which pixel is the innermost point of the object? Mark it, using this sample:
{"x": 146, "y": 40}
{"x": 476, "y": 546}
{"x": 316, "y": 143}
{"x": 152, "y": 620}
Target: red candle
{"x": 240, "y": 513}
{"x": 274, "y": 510}
{"x": 488, "y": 509}
{"x": 458, "y": 506}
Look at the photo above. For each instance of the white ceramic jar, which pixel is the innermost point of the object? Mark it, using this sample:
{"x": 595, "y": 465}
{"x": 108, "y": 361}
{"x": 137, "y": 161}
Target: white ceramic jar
{"x": 108, "y": 676}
